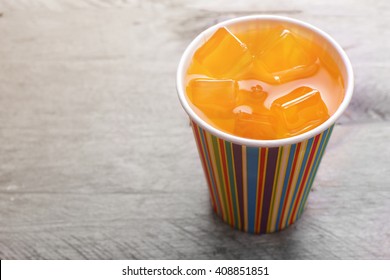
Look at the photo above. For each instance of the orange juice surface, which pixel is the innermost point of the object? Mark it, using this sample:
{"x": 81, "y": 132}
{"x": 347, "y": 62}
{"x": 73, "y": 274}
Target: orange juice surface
{"x": 263, "y": 83}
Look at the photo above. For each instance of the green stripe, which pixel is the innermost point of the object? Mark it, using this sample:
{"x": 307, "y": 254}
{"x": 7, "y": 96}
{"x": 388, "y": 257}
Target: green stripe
{"x": 229, "y": 159}
{"x": 222, "y": 185}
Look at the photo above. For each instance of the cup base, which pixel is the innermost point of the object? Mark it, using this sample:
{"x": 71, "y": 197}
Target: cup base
{"x": 257, "y": 231}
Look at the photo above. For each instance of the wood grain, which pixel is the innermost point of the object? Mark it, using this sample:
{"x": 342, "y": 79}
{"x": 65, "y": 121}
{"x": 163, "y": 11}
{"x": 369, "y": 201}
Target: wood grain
{"x": 97, "y": 160}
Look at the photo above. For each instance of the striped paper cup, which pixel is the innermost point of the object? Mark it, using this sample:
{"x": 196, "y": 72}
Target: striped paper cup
{"x": 262, "y": 186}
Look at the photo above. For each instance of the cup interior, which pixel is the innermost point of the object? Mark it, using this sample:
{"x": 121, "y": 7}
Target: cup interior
{"x": 305, "y": 30}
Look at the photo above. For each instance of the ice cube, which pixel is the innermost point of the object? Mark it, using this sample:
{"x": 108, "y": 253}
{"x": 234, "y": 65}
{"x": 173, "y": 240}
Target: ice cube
{"x": 214, "y": 97}
{"x": 284, "y": 58}
{"x": 196, "y": 68}
{"x": 255, "y": 125}
{"x": 260, "y": 72}
{"x": 300, "y": 110}
{"x": 223, "y": 55}
{"x": 253, "y": 36}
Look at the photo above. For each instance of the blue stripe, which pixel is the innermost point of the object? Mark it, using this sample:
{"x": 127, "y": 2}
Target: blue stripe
{"x": 252, "y": 159}
{"x": 210, "y": 169}
{"x": 286, "y": 178}
{"x": 301, "y": 171}
{"x": 314, "y": 169}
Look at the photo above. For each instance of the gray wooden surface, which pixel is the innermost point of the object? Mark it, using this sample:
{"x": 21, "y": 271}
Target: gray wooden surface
{"x": 97, "y": 160}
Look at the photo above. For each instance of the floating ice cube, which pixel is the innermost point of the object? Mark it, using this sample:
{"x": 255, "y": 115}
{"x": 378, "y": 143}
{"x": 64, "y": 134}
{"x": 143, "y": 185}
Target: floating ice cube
{"x": 214, "y": 97}
{"x": 300, "y": 110}
{"x": 253, "y": 36}
{"x": 223, "y": 55}
{"x": 283, "y": 59}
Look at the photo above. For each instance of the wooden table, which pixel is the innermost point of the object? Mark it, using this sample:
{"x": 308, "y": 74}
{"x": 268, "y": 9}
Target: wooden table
{"x": 97, "y": 160}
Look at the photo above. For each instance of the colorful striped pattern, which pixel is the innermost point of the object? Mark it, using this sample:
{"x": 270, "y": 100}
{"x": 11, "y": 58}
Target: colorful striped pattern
{"x": 259, "y": 190}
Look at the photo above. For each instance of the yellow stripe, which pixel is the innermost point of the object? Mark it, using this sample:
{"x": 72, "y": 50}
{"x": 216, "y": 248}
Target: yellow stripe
{"x": 228, "y": 187}
{"x": 262, "y": 184}
{"x": 294, "y": 181}
{"x": 224, "y": 185}
{"x": 245, "y": 187}
{"x": 235, "y": 188}
{"x": 257, "y": 215}
{"x": 279, "y": 186}
{"x": 270, "y": 214}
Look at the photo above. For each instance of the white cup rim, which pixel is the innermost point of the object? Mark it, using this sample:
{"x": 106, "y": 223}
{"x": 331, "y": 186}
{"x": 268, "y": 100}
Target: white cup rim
{"x": 187, "y": 55}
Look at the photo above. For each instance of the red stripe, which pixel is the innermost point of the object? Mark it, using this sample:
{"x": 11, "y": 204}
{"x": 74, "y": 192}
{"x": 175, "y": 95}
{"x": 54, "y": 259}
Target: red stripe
{"x": 225, "y": 171}
{"x": 213, "y": 173}
{"x": 260, "y": 188}
{"x": 301, "y": 187}
{"x": 204, "y": 165}
{"x": 289, "y": 183}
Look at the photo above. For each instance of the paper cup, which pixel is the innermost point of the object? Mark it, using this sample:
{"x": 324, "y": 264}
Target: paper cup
{"x": 261, "y": 186}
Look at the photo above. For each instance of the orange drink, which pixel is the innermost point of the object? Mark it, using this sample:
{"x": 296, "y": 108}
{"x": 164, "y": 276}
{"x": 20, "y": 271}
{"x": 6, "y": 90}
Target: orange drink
{"x": 263, "y": 82}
